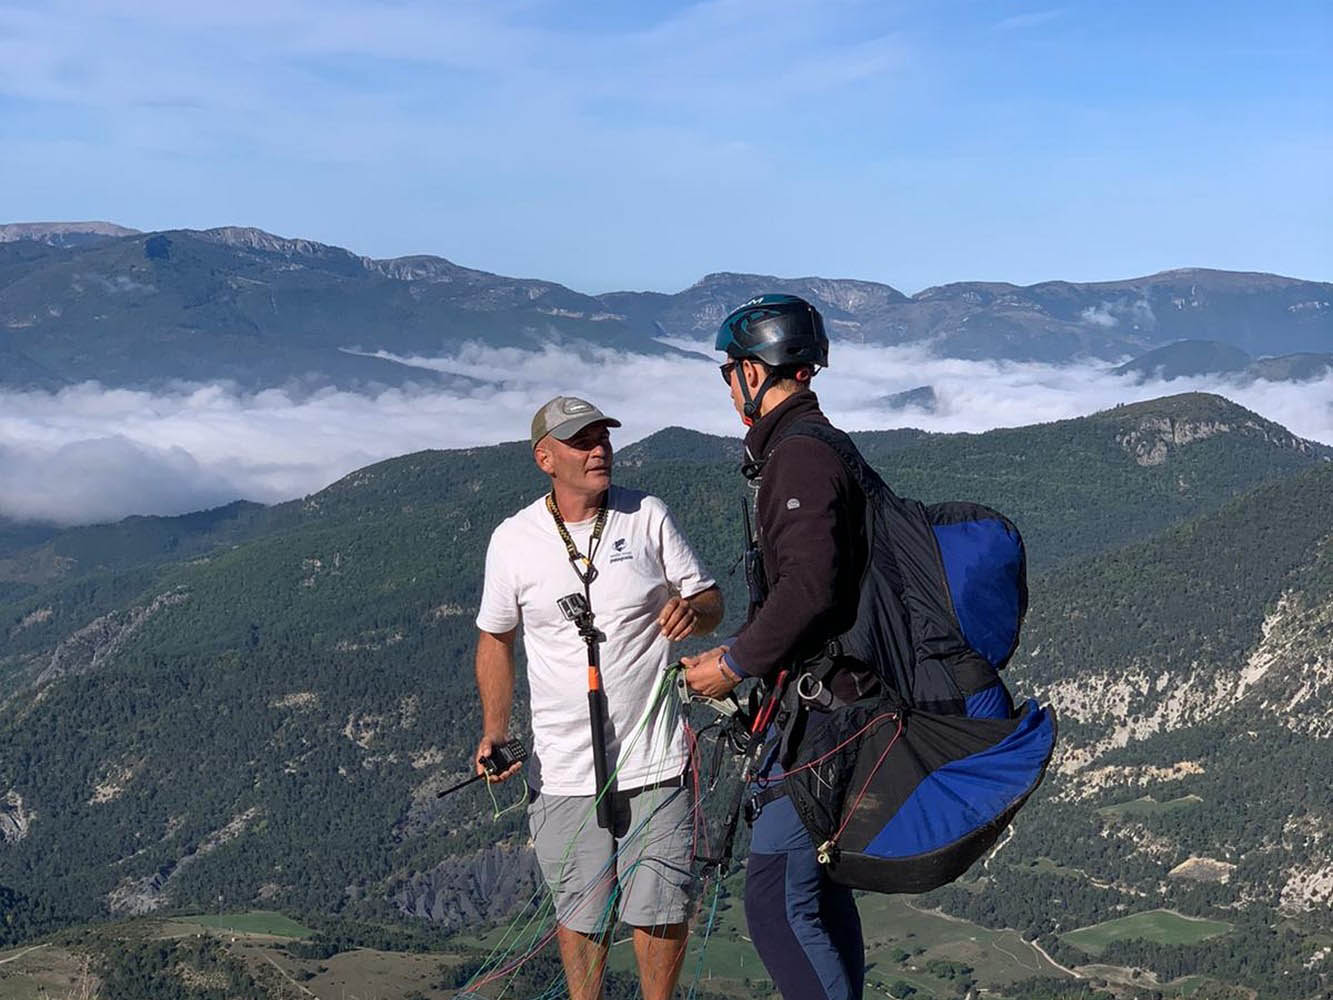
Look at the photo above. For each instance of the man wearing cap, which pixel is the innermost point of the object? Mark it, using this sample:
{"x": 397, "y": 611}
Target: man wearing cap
{"x": 620, "y": 550}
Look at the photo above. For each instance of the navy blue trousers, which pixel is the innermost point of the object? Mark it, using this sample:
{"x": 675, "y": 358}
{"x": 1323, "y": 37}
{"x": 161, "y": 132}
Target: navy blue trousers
{"x": 804, "y": 926}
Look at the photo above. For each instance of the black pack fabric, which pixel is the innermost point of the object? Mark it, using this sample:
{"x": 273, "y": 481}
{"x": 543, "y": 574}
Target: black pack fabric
{"x": 908, "y": 626}
{"x": 902, "y": 793}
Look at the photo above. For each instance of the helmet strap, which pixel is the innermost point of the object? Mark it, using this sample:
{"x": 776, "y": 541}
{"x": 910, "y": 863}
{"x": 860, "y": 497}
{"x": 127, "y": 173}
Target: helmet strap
{"x": 751, "y": 408}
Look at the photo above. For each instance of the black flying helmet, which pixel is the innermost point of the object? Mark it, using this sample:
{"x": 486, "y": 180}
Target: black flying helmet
{"x": 782, "y": 331}
{"x": 785, "y": 332}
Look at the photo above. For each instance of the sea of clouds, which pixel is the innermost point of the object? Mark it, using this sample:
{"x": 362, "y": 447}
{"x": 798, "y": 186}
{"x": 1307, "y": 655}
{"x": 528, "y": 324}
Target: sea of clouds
{"x": 87, "y": 453}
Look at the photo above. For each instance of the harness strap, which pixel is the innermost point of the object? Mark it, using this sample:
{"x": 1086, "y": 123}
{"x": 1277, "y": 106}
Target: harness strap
{"x": 754, "y": 805}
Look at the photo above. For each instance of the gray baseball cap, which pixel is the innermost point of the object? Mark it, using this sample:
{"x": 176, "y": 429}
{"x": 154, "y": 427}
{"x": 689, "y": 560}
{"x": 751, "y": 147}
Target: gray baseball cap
{"x": 565, "y": 416}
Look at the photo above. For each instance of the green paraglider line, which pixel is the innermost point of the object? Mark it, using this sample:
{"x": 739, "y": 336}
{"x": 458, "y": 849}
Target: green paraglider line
{"x": 510, "y": 954}
{"x": 708, "y": 932}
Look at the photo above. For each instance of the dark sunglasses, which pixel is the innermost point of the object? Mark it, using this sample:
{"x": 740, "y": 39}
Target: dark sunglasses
{"x": 727, "y": 369}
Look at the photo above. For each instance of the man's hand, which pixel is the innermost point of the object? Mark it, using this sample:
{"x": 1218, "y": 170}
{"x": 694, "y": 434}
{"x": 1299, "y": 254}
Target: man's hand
{"x": 708, "y": 675}
{"x": 484, "y": 749}
{"x": 677, "y": 619}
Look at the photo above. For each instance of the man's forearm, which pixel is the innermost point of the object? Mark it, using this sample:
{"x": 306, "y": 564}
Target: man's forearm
{"x": 495, "y": 682}
{"x": 708, "y": 606}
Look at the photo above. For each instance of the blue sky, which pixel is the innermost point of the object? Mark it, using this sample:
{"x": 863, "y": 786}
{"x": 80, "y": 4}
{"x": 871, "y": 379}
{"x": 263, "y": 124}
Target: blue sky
{"x": 641, "y": 145}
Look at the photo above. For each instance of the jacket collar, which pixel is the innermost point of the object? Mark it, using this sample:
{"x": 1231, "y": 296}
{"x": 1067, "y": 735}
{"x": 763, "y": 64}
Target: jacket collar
{"x": 799, "y": 406}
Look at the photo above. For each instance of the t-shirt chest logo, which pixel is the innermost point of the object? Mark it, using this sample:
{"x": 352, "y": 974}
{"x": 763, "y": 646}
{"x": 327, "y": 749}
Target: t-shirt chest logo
{"x": 620, "y": 551}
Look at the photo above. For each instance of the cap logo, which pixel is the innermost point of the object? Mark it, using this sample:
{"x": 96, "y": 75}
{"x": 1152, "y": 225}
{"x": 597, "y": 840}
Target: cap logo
{"x": 572, "y": 407}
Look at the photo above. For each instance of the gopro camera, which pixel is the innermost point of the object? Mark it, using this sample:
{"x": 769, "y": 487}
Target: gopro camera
{"x": 573, "y": 606}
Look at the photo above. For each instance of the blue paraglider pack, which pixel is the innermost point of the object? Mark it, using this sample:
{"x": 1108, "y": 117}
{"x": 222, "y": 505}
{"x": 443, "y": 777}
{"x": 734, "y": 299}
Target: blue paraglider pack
{"x": 902, "y": 792}
{"x": 985, "y": 565}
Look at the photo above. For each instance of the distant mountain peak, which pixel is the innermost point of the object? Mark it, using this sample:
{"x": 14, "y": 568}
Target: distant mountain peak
{"x": 251, "y": 238}
{"x": 1187, "y": 406}
{"x": 844, "y": 294}
{"x": 1192, "y": 358}
{"x": 1152, "y": 430}
{"x": 11, "y": 231}
{"x": 63, "y": 234}
{"x": 1187, "y": 357}
{"x": 250, "y": 312}
{"x": 423, "y": 267}
{"x": 416, "y": 267}
{"x": 680, "y": 444}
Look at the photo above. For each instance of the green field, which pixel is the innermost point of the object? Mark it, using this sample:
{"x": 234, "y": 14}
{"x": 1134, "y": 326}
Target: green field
{"x": 1161, "y": 926}
{"x": 251, "y": 922}
{"x": 1046, "y": 866}
{"x": 1149, "y": 806}
{"x": 892, "y": 926}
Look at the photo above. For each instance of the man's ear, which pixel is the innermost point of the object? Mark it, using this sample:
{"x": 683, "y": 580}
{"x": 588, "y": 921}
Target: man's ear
{"x": 753, "y": 372}
{"x": 543, "y": 459}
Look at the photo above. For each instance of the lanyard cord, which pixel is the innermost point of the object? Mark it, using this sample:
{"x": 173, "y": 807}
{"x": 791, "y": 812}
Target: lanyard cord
{"x": 587, "y": 576}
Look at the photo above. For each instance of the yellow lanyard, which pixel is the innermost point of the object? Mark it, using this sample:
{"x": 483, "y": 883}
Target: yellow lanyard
{"x": 586, "y": 576}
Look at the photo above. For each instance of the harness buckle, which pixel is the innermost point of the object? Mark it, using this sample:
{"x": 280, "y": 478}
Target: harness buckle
{"x": 755, "y": 802}
{"x": 811, "y": 690}
{"x": 752, "y": 808}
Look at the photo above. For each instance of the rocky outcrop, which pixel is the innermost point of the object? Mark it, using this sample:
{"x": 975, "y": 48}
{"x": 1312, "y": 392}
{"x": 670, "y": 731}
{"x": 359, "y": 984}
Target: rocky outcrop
{"x": 1202, "y": 870}
{"x": 137, "y": 896}
{"x": 97, "y": 642}
{"x": 1291, "y": 669}
{"x": 1308, "y": 887}
{"x": 1156, "y": 437}
{"x": 114, "y": 780}
{"x": 484, "y": 887}
{"x": 14, "y": 818}
{"x": 250, "y": 238}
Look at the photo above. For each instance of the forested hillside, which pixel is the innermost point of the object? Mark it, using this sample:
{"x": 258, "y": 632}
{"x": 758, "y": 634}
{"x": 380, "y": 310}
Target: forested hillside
{"x": 1194, "y": 677}
{"x": 258, "y": 704}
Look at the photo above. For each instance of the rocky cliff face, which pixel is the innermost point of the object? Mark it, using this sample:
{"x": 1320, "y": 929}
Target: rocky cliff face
{"x": 1195, "y": 678}
{"x": 137, "y": 896}
{"x": 98, "y": 641}
{"x": 478, "y": 889}
{"x": 1156, "y": 437}
{"x": 14, "y": 818}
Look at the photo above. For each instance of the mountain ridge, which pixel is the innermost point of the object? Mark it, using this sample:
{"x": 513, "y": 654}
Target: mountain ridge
{"x": 236, "y": 302}
{"x": 1190, "y": 358}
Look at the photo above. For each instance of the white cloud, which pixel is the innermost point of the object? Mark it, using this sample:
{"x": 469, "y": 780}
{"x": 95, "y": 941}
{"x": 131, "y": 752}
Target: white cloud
{"x": 1136, "y": 313}
{"x": 88, "y": 453}
{"x": 1099, "y": 316}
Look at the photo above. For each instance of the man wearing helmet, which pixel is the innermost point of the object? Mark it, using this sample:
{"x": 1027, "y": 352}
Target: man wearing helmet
{"x": 810, "y": 516}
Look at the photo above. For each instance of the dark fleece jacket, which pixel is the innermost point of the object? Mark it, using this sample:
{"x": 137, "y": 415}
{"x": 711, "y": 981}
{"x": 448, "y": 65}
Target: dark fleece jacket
{"x": 811, "y": 522}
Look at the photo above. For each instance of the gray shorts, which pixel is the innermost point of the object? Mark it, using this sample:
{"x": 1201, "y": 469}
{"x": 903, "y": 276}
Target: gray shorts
{"x": 642, "y": 867}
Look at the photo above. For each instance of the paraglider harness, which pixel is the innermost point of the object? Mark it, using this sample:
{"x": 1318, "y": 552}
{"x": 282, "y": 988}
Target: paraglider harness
{"x": 903, "y": 788}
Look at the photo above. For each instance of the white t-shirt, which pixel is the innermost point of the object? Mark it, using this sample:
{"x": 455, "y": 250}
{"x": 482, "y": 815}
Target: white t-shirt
{"x": 641, "y": 562}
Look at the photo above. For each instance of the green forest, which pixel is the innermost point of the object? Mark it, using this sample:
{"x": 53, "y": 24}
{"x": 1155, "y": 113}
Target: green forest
{"x": 258, "y": 703}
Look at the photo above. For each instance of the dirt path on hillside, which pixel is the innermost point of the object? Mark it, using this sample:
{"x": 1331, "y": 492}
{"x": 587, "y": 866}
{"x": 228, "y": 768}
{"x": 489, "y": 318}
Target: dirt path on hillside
{"x": 15, "y": 958}
{"x": 283, "y": 973}
{"x": 1031, "y": 944}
